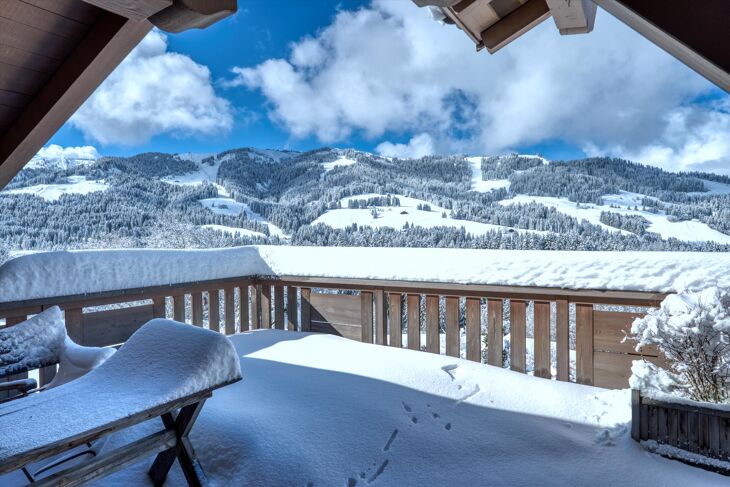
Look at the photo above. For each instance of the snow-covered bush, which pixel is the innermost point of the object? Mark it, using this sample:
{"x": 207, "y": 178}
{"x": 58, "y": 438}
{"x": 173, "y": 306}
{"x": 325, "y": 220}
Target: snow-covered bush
{"x": 692, "y": 331}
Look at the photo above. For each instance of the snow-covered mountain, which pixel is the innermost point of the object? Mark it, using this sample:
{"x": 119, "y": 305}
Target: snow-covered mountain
{"x": 348, "y": 197}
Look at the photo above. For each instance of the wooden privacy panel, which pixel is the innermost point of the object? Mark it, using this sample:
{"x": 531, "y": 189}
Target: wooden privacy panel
{"x": 612, "y": 357}
{"x": 105, "y": 328}
{"x": 337, "y": 314}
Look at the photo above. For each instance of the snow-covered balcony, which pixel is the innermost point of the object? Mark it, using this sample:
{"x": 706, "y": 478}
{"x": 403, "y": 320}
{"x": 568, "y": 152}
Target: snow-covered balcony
{"x": 319, "y": 409}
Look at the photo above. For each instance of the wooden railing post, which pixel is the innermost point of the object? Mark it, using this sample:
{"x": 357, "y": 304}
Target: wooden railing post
{"x": 381, "y": 320}
{"x": 74, "y": 318}
{"x": 291, "y": 308}
{"x": 214, "y": 316}
{"x": 584, "y": 343}
{"x": 197, "y": 308}
{"x": 495, "y": 332}
{"x": 266, "y": 306}
{"x": 636, "y": 414}
{"x": 518, "y": 323}
{"x": 395, "y": 318}
{"x": 541, "y": 339}
{"x": 158, "y": 307}
{"x": 178, "y": 308}
{"x": 306, "y": 294}
{"x": 366, "y": 316}
{"x": 562, "y": 339}
{"x": 452, "y": 326}
{"x": 243, "y": 307}
{"x": 255, "y": 307}
{"x": 229, "y": 314}
{"x": 414, "y": 321}
{"x": 474, "y": 329}
{"x": 279, "y": 307}
{"x": 433, "y": 342}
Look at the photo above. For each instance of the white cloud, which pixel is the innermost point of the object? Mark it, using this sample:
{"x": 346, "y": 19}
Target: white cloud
{"x": 419, "y": 146}
{"x": 151, "y": 92}
{"x": 54, "y": 151}
{"x": 390, "y": 69}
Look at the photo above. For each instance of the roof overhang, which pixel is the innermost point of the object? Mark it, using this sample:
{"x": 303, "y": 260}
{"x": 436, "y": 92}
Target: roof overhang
{"x": 695, "y": 32}
{"x": 55, "y": 53}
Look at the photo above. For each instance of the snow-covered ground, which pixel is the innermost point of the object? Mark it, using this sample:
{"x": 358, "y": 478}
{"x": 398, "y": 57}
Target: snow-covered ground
{"x": 229, "y": 206}
{"x": 64, "y": 273}
{"x": 320, "y": 410}
{"x": 477, "y": 184}
{"x": 52, "y": 192}
{"x": 684, "y": 230}
{"x": 240, "y": 232}
{"x": 714, "y": 188}
{"x": 398, "y": 216}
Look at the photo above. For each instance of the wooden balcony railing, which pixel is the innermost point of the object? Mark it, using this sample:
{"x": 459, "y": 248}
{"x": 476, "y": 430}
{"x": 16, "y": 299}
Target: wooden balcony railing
{"x": 584, "y": 324}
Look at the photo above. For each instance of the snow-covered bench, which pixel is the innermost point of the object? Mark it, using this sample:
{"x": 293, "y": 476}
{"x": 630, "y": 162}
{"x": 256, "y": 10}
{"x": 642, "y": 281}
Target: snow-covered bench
{"x": 166, "y": 369}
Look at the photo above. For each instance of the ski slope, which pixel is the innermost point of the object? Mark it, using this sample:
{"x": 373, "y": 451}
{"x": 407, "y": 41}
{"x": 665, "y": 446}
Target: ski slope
{"x": 230, "y": 207}
{"x": 397, "y": 216}
{"x": 52, "y": 192}
{"x": 239, "y": 232}
{"x": 690, "y": 231}
{"x": 477, "y": 184}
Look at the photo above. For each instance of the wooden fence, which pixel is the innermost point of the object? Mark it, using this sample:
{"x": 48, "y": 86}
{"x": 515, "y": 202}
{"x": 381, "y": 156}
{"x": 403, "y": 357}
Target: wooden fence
{"x": 693, "y": 428}
{"x": 417, "y": 315}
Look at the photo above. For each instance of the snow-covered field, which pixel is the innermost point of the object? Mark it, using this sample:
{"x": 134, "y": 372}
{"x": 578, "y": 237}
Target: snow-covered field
{"x": 398, "y": 216}
{"x": 52, "y": 192}
{"x": 341, "y": 162}
{"x": 229, "y": 206}
{"x": 320, "y": 410}
{"x": 476, "y": 178}
{"x": 685, "y": 230}
{"x": 64, "y": 273}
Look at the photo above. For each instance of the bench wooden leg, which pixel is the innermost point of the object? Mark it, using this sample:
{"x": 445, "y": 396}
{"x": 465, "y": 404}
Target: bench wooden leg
{"x": 183, "y": 451}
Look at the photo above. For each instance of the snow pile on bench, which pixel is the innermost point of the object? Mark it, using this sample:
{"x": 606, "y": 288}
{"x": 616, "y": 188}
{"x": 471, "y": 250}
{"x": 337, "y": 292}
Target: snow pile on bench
{"x": 162, "y": 362}
{"x": 32, "y": 344}
{"x": 51, "y": 274}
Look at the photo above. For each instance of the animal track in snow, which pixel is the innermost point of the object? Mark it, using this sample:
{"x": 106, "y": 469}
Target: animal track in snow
{"x": 406, "y": 407}
{"x": 390, "y": 440}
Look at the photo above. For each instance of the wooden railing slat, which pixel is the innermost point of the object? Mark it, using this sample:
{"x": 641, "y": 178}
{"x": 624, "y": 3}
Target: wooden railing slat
{"x": 255, "y": 307}
{"x": 381, "y": 320}
{"x": 562, "y": 339}
{"x": 229, "y": 313}
{"x": 196, "y": 306}
{"x": 266, "y": 306}
{"x": 433, "y": 343}
{"x": 495, "y": 332}
{"x": 75, "y": 324}
{"x": 518, "y": 325}
{"x": 243, "y": 307}
{"x": 474, "y": 329}
{"x": 584, "y": 343}
{"x": 291, "y": 308}
{"x": 178, "y": 308}
{"x": 395, "y": 318}
{"x": 279, "y": 307}
{"x": 414, "y": 321}
{"x": 306, "y": 308}
{"x": 541, "y": 339}
{"x": 159, "y": 310}
{"x": 452, "y": 326}
{"x": 214, "y": 310}
{"x": 366, "y": 316}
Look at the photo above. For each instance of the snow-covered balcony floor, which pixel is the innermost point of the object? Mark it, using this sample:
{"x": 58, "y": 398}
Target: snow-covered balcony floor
{"x": 319, "y": 410}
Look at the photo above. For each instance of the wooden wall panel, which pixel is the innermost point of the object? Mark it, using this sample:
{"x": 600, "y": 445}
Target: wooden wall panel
{"x": 337, "y": 314}
{"x": 111, "y": 327}
{"x": 609, "y": 330}
{"x": 612, "y": 370}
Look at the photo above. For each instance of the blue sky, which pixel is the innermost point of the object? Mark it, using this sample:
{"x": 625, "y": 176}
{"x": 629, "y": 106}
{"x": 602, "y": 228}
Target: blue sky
{"x": 382, "y": 76}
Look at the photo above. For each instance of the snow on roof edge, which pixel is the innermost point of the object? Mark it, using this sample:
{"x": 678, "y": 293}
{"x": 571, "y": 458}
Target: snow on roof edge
{"x": 65, "y": 273}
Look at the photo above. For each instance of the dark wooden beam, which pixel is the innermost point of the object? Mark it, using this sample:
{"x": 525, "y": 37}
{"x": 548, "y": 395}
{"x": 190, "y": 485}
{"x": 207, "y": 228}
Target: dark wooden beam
{"x": 524, "y": 18}
{"x": 104, "y": 47}
{"x": 132, "y": 9}
{"x": 696, "y": 33}
{"x": 193, "y": 14}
